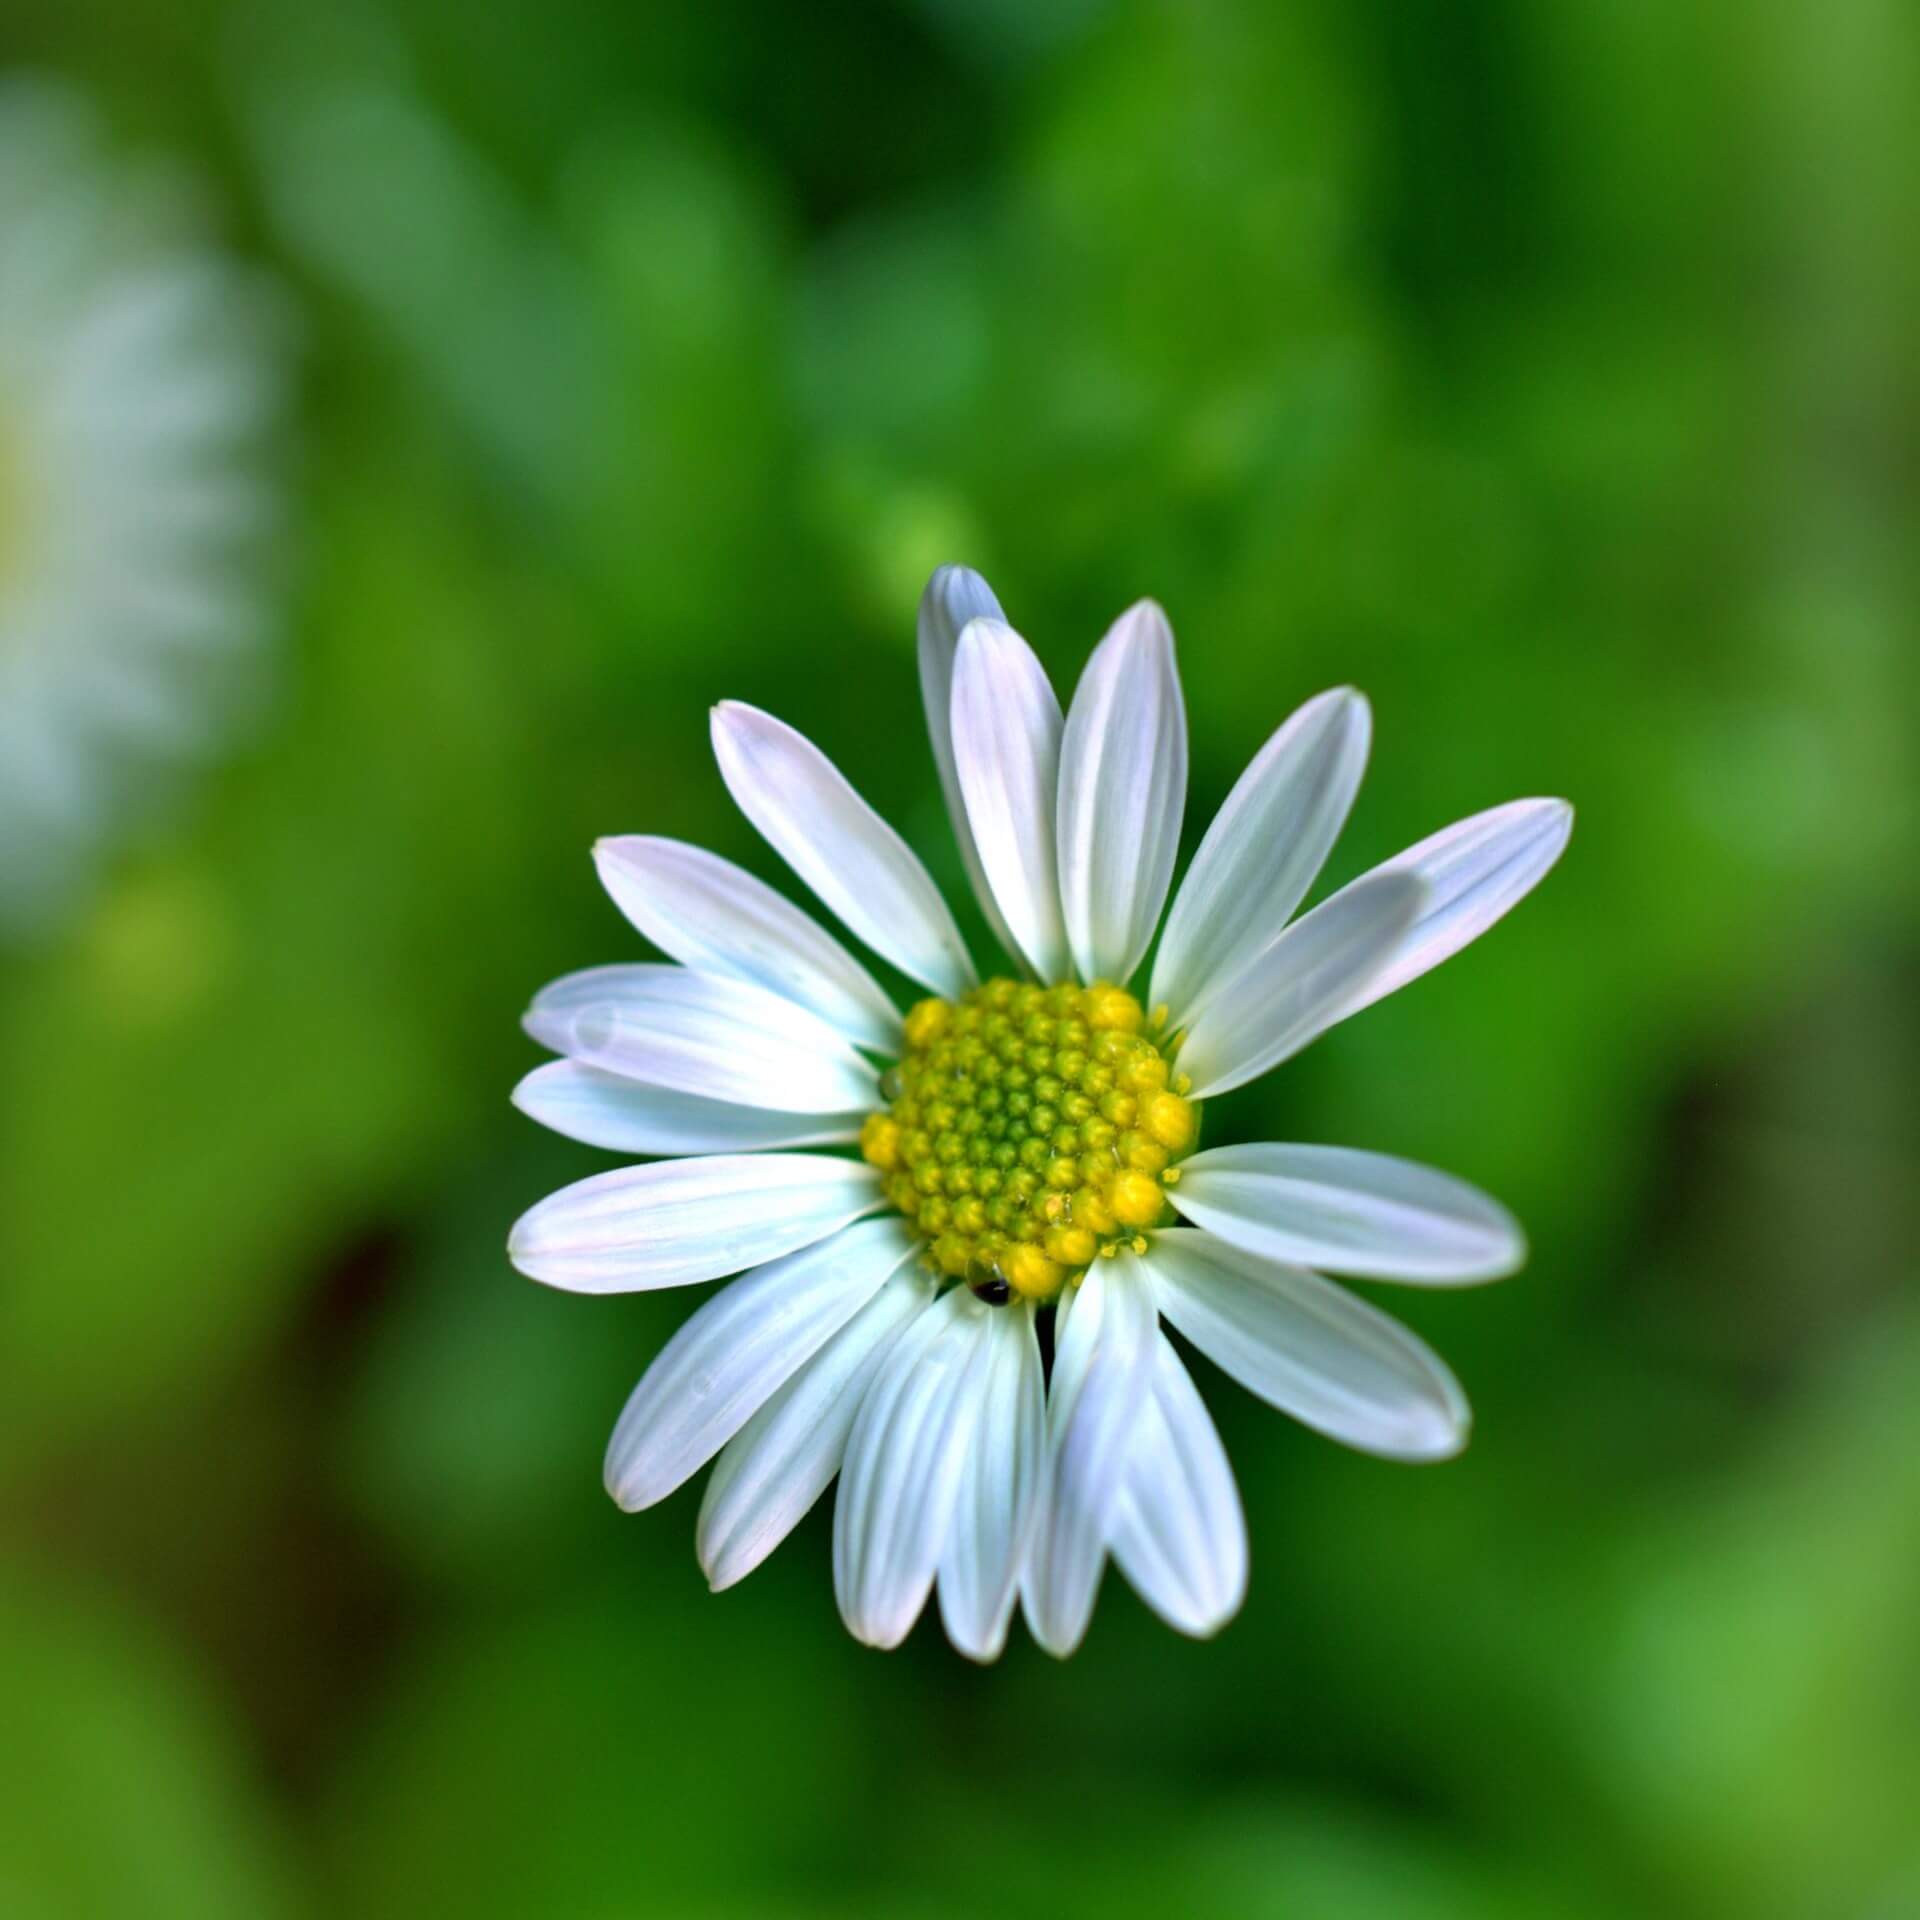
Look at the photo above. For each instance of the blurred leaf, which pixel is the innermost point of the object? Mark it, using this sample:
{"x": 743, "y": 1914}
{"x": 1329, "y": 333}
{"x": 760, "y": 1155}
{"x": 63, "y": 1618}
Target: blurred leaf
{"x": 121, "y": 1791}
{"x": 613, "y": 1752}
{"x": 249, "y": 1054}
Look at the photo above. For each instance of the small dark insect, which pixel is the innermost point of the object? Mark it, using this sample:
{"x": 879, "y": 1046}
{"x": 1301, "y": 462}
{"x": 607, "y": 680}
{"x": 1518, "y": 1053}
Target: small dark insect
{"x": 995, "y": 1292}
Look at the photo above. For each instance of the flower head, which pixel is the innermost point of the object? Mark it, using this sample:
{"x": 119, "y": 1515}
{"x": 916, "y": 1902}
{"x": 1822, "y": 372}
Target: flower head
{"x": 139, "y": 385}
{"x": 920, "y": 1200}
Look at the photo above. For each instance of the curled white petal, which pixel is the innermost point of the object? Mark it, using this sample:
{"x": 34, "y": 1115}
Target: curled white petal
{"x": 772, "y": 1471}
{"x": 676, "y": 1222}
{"x": 1290, "y": 993}
{"x": 703, "y": 1034}
{"x": 954, "y": 596}
{"x": 626, "y": 1116}
{"x": 1263, "y": 851}
{"x": 1310, "y": 1348}
{"x": 1123, "y": 790}
{"x": 904, "y": 1464}
{"x": 718, "y": 918}
{"x": 1474, "y": 872}
{"x": 854, "y": 862}
{"x": 730, "y": 1357}
{"x": 999, "y": 1491}
{"x": 1179, "y": 1534}
{"x": 1006, "y": 747}
{"x": 1102, "y": 1374}
{"x": 550, "y": 1019}
{"x": 1345, "y": 1211}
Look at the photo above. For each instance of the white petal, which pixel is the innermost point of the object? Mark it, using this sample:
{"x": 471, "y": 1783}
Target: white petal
{"x": 772, "y": 1471}
{"x": 993, "y": 1517}
{"x": 1474, "y": 872}
{"x": 626, "y": 1116}
{"x": 1310, "y": 1348}
{"x": 1350, "y": 1212}
{"x": 718, "y": 918}
{"x": 1179, "y": 1534}
{"x": 1006, "y": 747}
{"x": 954, "y": 596}
{"x": 679, "y": 1221}
{"x": 1263, "y": 850}
{"x": 1102, "y": 1375}
{"x": 1123, "y": 789}
{"x": 550, "y": 1019}
{"x": 905, "y": 1460}
{"x": 839, "y": 846}
{"x": 720, "y": 1039}
{"x": 1292, "y": 992}
{"x": 737, "y": 1350}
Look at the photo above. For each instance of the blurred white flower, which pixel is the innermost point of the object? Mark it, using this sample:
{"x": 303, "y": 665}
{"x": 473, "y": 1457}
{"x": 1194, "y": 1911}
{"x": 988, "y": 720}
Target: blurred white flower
{"x": 142, "y": 379}
{"x": 1028, "y": 1157}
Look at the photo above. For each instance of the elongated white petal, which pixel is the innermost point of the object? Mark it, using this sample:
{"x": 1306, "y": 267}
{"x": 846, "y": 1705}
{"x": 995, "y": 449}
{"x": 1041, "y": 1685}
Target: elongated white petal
{"x": 646, "y": 987}
{"x": 676, "y": 1222}
{"x": 550, "y": 1019}
{"x": 1102, "y": 1374}
{"x": 721, "y": 1039}
{"x": 718, "y": 918}
{"x": 1292, "y": 992}
{"x": 1350, "y": 1212}
{"x": 905, "y": 1460}
{"x": 1123, "y": 789}
{"x": 837, "y": 844}
{"x": 992, "y": 1521}
{"x": 1006, "y": 746}
{"x": 625, "y": 1116}
{"x": 737, "y": 1350}
{"x": 954, "y": 596}
{"x": 772, "y": 1471}
{"x": 1310, "y": 1348}
{"x": 1263, "y": 851}
{"x": 1475, "y": 872}
{"x": 1179, "y": 1534}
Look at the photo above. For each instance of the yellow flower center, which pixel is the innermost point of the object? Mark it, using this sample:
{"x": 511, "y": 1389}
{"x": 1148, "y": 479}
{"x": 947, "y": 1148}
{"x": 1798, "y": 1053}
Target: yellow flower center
{"x": 1031, "y": 1130}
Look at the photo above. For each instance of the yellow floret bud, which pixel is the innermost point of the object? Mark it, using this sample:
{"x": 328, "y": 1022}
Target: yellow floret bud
{"x": 1136, "y": 1199}
{"x": 1170, "y": 1120}
{"x": 1029, "y": 1272}
{"x": 1114, "y": 1010}
{"x": 1090, "y": 1210}
{"x": 1071, "y": 1246}
{"x": 1144, "y": 1155}
{"x": 951, "y": 1252}
{"x": 880, "y": 1141}
{"x": 926, "y": 1022}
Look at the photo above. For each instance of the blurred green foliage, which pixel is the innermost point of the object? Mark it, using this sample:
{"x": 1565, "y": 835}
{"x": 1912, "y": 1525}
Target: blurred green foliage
{"x": 1546, "y": 371}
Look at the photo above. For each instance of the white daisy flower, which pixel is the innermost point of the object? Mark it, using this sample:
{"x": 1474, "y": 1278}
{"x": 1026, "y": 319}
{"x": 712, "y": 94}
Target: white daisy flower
{"x": 1029, "y": 1165}
{"x": 140, "y": 380}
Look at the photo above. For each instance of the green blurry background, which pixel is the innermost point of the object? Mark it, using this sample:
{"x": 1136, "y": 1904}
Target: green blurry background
{"x": 1547, "y": 370}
